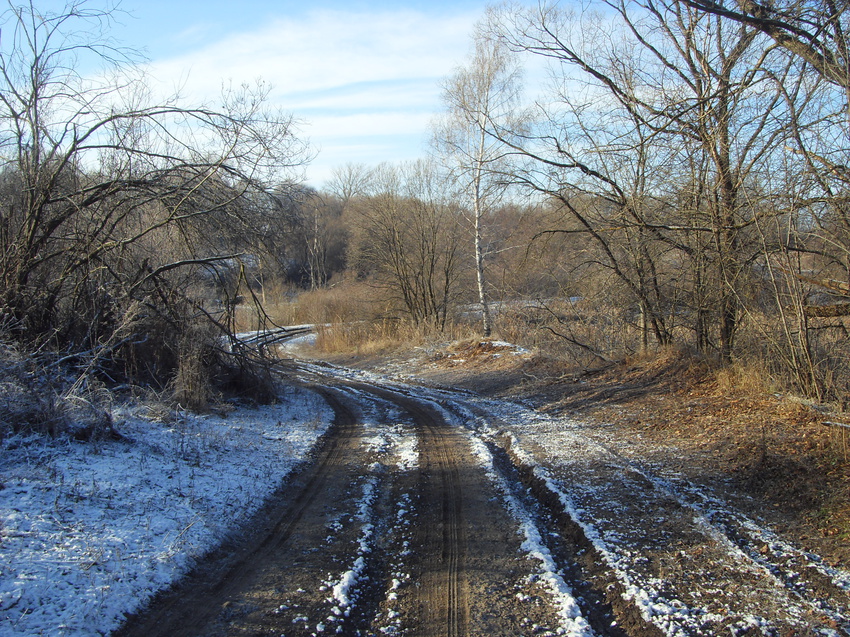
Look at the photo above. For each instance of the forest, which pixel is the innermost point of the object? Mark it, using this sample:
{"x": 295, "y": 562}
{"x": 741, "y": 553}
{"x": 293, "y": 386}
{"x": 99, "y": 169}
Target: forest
{"x": 678, "y": 179}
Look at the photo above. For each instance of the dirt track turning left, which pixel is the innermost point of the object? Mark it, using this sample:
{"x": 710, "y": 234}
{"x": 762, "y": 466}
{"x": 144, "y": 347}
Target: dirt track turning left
{"x": 360, "y": 542}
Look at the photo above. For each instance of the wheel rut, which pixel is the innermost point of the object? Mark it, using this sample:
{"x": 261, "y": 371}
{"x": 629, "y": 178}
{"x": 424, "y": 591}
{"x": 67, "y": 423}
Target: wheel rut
{"x": 443, "y": 606}
{"x": 273, "y": 542}
{"x": 474, "y": 576}
{"x": 357, "y": 543}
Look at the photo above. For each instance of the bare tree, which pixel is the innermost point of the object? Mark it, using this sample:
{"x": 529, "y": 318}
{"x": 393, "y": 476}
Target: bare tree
{"x": 408, "y": 240}
{"x": 643, "y": 91}
{"x": 348, "y": 182}
{"x": 95, "y": 174}
{"x": 814, "y": 31}
{"x": 482, "y": 101}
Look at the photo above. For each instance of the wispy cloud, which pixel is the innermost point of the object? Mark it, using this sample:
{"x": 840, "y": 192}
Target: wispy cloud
{"x": 350, "y": 75}
{"x": 375, "y": 96}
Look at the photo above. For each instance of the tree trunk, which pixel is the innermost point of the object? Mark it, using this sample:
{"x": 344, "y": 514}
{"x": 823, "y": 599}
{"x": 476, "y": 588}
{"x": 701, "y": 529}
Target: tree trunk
{"x": 487, "y": 328}
{"x": 482, "y": 289}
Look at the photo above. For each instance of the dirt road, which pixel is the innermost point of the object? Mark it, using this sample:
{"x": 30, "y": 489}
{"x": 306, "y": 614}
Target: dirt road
{"x": 434, "y": 512}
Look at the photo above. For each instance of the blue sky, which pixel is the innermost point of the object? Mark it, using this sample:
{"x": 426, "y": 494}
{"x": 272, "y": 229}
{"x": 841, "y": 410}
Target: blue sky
{"x": 362, "y": 76}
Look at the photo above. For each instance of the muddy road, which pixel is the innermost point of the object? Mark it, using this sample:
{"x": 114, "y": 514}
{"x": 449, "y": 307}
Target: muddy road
{"x": 429, "y": 511}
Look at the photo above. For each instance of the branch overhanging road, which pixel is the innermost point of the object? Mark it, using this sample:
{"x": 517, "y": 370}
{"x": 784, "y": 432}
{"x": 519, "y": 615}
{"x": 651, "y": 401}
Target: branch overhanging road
{"x": 429, "y": 511}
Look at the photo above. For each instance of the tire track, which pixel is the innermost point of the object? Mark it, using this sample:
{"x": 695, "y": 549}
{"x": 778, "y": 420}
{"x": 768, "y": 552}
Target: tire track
{"x": 445, "y": 596}
{"x": 596, "y": 588}
{"x": 206, "y": 595}
{"x": 722, "y": 545}
{"x": 487, "y": 583}
{"x": 825, "y": 590}
{"x": 454, "y": 538}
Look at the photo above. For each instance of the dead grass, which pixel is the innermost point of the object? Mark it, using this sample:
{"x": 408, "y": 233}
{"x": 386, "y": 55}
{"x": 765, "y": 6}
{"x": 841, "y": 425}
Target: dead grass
{"x": 746, "y": 377}
{"x": 206, "y": 376}
{"x": 362, "y": 337}
{"x": 347, "y": 302}
{"x": 384, "y": 337}
{"x": 728, "y": 426}
{"x": 192, "y": 386}
{"x": 722, "y": 426}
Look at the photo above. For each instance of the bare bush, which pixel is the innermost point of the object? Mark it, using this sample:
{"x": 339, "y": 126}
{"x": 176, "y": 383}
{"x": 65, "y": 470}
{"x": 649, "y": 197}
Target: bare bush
{"x": 124, "y": 224}
{"x": 36, "y": 398}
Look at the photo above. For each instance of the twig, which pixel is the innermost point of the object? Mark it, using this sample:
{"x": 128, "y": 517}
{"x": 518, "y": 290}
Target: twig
{"x": 835, "y": 424}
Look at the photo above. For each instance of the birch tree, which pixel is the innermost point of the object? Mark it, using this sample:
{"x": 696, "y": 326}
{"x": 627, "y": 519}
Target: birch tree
{"x": 482, "y": 101}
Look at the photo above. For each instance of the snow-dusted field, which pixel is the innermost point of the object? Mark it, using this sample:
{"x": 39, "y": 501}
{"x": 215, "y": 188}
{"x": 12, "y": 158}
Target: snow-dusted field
{"x": 91, "y": 530}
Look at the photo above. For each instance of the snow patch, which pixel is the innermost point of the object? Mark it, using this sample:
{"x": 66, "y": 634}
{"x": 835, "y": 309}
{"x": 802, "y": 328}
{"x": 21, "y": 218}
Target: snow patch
{"x": 572, "y": 623}
{"x": 91, "y": 531}
{"x": 344, "y": 589}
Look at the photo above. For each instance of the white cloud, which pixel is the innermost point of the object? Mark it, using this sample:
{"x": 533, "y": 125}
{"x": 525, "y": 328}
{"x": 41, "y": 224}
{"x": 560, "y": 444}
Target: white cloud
{"x": 350, "y": 75}
{"x": 327, "y": 49}
{"x": 362, "y": 125}
{"x": 372, "y": 96}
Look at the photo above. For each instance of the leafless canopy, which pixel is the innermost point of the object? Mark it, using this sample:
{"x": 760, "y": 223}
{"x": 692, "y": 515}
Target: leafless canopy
{"x": 113, "y": 197}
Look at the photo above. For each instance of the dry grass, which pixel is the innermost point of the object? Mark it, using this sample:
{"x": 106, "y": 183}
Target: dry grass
{"x": 360, "y": 338}
{"x": 344, "y": 314}
{"x": 352, "y": 318}
{"x": 206, "y": 375}
{"x": 191, "y": 386}
{"x": 745, "y": 377}
{"x": 375, "y": 338}
{"x": 347, "y": 302}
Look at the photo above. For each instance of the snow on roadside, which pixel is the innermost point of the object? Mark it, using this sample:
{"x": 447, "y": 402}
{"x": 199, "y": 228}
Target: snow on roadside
{"x": 670, "y": 616}
{"x": 344, "y": 590}
{"x": 90, "y": 531}
{"x": 571, "y": 621}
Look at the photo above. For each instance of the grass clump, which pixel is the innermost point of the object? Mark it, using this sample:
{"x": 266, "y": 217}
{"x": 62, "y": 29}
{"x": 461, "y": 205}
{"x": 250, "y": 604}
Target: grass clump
{"x": 35, "y": 398}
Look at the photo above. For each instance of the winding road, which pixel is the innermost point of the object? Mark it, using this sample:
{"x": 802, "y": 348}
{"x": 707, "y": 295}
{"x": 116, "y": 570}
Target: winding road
{"x": 429, "y": 512}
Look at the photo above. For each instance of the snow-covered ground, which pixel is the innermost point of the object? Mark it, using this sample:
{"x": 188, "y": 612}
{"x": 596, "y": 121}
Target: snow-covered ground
{"x": 89, "y": 531}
